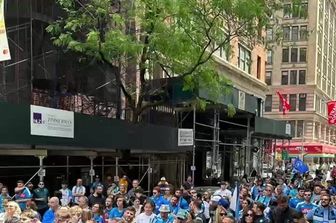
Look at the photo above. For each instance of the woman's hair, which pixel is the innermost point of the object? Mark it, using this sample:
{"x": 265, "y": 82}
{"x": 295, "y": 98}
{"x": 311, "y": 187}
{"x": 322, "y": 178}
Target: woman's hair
{"x": 150, "y": 202}
{"x": 62, "y": 214}
{"x": 100, "y": 209}
{"x": 17, "y": 207}
{"x": 86, "y": 215}
{"x": 76, "y": 211}
{"x": 217, "y": 214}
{"x": 246, "y": 214}
{"x": 32, "y": 205}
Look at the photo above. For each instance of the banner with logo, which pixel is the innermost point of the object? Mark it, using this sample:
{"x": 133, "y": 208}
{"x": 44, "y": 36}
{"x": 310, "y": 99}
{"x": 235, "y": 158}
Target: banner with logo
{"x": 51, "y": 122}
{"x": 4, "y": 48}
{"x": 332, "y": 112}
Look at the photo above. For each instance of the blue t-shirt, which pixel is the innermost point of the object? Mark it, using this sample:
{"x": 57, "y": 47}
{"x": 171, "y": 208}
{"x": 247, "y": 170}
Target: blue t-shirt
{"x": 49, "y": 216}
{"x": 305, "y": 207}
{"x": 158, "y": 201}
{"x": 24, "y": 194}
{"x": 294, "y": 201}
{"x": 116, "y": 213}
{"x": 98, "y": 218}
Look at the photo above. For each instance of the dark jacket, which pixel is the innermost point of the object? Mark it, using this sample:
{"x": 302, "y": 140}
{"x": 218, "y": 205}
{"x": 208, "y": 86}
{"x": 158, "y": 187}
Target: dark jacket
{"x": 278, "y": 215}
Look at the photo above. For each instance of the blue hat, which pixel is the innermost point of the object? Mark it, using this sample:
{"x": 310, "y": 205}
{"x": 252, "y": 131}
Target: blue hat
{"x": 224, "y": 202}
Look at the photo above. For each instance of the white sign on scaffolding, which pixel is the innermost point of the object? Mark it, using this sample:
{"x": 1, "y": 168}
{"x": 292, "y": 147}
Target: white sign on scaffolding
{"x": 185, "y": 137}
{"x": 51, "y": 122}
{"x": 4, "y": 48}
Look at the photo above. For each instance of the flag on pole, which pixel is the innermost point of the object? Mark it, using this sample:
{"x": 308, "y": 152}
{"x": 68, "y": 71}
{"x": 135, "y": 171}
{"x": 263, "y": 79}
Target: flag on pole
{"x": 234, "y": 202}
{"x": 285, "y": 105}
{"x": 331, "y": 112}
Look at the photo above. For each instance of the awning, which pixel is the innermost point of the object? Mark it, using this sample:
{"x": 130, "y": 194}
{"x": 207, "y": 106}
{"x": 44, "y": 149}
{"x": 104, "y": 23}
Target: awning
{"x": 307, "y": 148}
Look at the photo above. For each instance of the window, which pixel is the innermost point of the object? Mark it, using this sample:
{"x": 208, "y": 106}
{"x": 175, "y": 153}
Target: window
{"x": 304, "y": 10}
{"x": 244, "y": 59}
{"x": 268, "y": 103}
{"x": 286, "y": 33}
{"x": 284, "y": 77}
{"x": 292, "y": 124}
{"x": 268, "y": 77}
{"x": 293, "y": 77}
{"x": 292, "y": 102}
{"x": 295, "y": 33}
{"x": 303, "y": 54}
{"x": 302, "y": 102}
{"x": 302, "y": 77}
{"x": 296, "y": 10}
{"x": 299, "y": 128}
{"x": 269, "y": 57}
{"x": 285, "y": 55}
{"x": 287, "y": 11}
{"x": 269, "y": 34}
{"x": 258, "y": 67}
{"x": 294, "y": 54}
{"x": 303, "y": 33}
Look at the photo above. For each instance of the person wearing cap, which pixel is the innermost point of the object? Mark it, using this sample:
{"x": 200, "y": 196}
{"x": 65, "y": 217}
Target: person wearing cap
{"x": 66, "y": 194}
{"x": 182, "y": 216}
{"x": 22, "y": 194}
{"x": 224, "y": 191}
{"x": 164, "y": 216}
{"x": 135, "y": 185}
{"x": 97, "y": 197}
{"x": 95, "y": 184}
{"x": 223, "y": 202}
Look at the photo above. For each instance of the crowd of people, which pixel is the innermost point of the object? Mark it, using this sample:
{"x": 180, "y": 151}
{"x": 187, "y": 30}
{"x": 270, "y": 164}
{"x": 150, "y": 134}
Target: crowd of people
{"x": 271, "y": 200}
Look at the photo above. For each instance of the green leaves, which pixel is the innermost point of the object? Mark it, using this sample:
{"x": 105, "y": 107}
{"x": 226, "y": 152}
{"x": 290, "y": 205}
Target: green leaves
{"x": 175, "y": 35}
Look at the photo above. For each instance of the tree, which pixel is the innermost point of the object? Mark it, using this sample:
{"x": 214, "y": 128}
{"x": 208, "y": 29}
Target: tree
{"x": 177, "y": 37}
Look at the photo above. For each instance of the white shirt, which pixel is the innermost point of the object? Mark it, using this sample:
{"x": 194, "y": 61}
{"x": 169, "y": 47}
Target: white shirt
{"x": 78, "y": 190}
{"x": 143, "y": 218}
{"x": 224, "y": 193}
{"x": 66, "y": 197}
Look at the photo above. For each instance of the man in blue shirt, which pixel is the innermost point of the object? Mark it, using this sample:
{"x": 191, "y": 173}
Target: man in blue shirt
{"x": 173, "y": 205}
{"x": 158, "y": 199}
{"x": 298, "y": 199}
{"x": 49, "y": 216}
{"x": 305, "y": 206}
{"x": 3, "y": 196}
{"x": 164, "y": 216}
{"x": 22, "y": 194}
{"x": 323, "y": 213}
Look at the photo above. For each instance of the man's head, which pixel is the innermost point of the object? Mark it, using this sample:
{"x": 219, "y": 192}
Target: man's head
{"x": 120, "y": 201}
{"x": 4, "y": 190}
{"x": 224, "y": 185}
{"x": 307, "y": 195}
{"x": 258, "y": 208}
{"x": 244, "y": 192}
{"x": 317, "y": 189}
{"x": 20, "y": 183}
{"x": 156, "y": 191}
{"x": 174, "y": 200}
{"x": 135, "y": 183}
{"x": 189, "y": 179}
{"x": 129, "y": 214}
{"x": 301, "y": 192}
{"x": 325, "y": 200}
{"x": 268, "y": 190}
{"x": 53, "y": 203}
{"x": 108, "y": 202}
{"x": 122, "y": 188}
{"x": 30, "y": 185}
{"x": 83, "y": 202}
{"x": 178, "y": 193}
{"x": 164, "y": 211}
{"x": 99, "y": 189}
{"x": 64, "y": 185}
{"x": 79, "y": 182}
{"x": 41, "y": 184}
{"x": 196, "y": 205}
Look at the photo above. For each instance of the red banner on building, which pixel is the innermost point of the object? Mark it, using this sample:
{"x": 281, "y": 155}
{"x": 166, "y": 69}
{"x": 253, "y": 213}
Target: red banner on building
{"x": 332, "y": 112}
{"x": 285, "y": 105}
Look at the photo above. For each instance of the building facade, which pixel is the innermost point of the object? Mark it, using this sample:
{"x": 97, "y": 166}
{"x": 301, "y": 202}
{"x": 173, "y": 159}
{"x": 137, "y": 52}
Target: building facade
{"x": 302, "y": 69}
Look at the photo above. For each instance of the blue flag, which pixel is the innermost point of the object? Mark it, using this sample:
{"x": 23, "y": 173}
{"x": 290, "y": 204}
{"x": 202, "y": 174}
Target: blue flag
{"x": 300, "y": 166}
